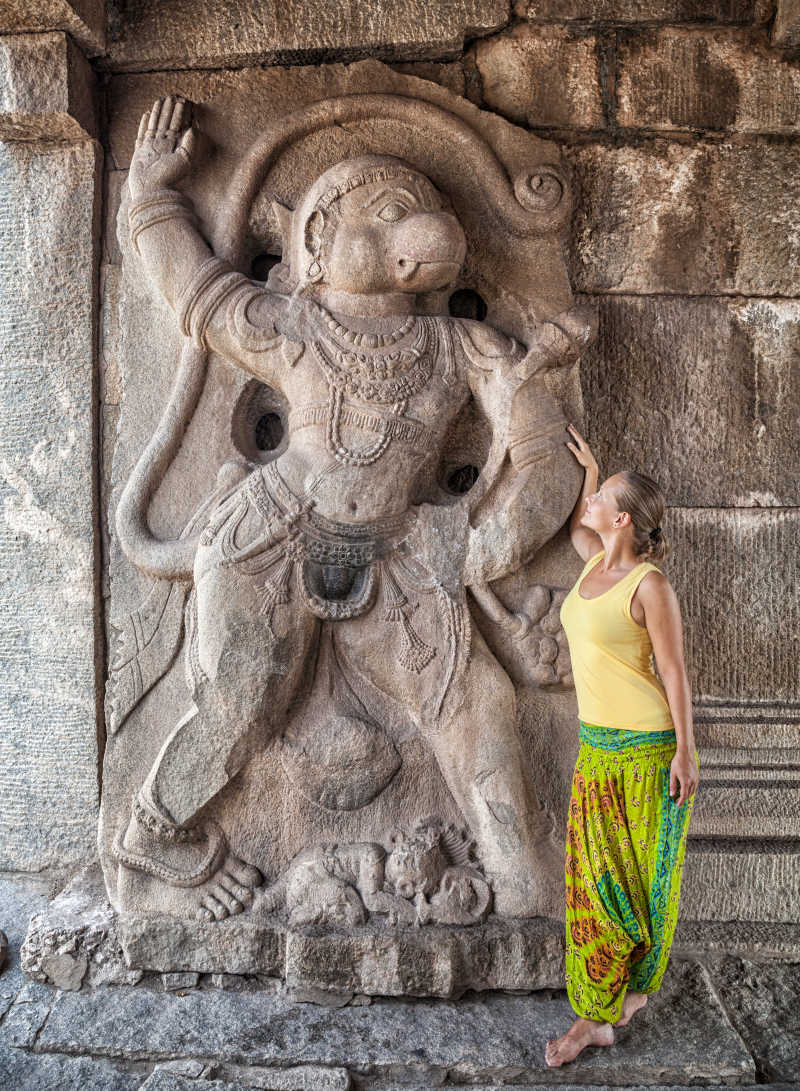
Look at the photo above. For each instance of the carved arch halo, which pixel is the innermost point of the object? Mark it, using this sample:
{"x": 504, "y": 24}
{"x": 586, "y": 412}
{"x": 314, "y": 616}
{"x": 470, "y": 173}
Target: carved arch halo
{"x": 511, "y": 220}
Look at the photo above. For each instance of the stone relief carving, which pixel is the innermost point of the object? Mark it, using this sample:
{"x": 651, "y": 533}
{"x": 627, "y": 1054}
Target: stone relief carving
{"x": 320, "y": 593}
{"x": 428, "y": 875}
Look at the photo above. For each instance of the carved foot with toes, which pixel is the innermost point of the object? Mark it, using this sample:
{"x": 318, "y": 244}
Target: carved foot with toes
{"x": 187, "y": 872}
{"x": 230, "y": 890}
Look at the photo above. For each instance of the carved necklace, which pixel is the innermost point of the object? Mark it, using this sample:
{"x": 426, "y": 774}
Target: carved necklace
{"x": 371, "y": 374}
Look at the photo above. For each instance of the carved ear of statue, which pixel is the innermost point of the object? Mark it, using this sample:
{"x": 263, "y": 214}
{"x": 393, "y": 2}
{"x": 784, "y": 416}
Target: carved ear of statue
{"x": 315, "y": 227}
{"x": 283, "y": 214}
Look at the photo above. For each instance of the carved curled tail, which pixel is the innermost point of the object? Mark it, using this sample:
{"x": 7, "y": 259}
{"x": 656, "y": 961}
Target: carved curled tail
{"x": 171, "y": 559}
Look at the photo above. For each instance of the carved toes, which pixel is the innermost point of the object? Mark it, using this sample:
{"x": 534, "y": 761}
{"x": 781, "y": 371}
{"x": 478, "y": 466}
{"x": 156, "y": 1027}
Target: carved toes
{"x": 241, "y": 893}
{"x": 217, "y": 909}
{"x": 243, "y": 873}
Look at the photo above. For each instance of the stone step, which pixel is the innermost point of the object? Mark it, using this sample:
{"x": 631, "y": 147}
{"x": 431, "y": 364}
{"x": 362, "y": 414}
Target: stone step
{"x": 683, "y": 1036}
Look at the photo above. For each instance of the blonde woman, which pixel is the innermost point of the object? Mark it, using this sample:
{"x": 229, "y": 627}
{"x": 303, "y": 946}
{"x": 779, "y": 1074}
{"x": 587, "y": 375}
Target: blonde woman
{"x": 636, "y": 772}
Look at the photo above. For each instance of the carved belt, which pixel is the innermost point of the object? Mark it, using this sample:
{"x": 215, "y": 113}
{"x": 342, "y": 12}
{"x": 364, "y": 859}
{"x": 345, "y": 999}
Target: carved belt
{"x": 406, "y": 430}
{"x": 336, "y": 560}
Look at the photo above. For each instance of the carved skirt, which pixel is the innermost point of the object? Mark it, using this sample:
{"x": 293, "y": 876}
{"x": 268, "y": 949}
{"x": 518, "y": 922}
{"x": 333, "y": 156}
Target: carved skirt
{"x": 626, "y": 840}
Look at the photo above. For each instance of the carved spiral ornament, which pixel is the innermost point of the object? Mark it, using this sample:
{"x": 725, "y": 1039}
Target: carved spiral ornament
{"x": 542, "y": 191}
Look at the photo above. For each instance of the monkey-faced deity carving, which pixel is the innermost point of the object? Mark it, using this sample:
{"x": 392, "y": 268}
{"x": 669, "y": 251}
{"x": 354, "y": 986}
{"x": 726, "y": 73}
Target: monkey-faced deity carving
{"x": 321, "y": 595}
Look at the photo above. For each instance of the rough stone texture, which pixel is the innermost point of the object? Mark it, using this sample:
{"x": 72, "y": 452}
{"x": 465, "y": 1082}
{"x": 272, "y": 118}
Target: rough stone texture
{"x": 48, "y": 711}
{"x": 83, "y": 20}
{"x": 733, "y": 880}
{"x": 46, "y": 89}
{"x": 34, "y": 1072}
{"x": 702, "y": 394}
{"x": 763, "y": 1003}
{"x": 542, "y": 76}
{"x": 786, "y": 27}
{"x": 297, "y": 1078}
{"x": 75, "y": 934}
{"x": 644, "y": 11}
{"x": 691, "y": 218}
{"x": 700, "y": 939}
{"x": 749, "y": 560}
{"x": 220, "y": 35}
{"x": 692, "y": 79}
{"x": 233, "y": 946}
{"x": 374, "y": 961}
{"x": 684, "y": 1035}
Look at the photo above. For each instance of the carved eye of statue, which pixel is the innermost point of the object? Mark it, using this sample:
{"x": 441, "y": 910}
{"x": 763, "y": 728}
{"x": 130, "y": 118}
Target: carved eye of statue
{"x": 393, "y": 212}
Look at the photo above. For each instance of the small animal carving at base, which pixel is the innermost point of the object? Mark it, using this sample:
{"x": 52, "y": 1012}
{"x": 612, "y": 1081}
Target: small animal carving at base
{"x": 428, "y": 875}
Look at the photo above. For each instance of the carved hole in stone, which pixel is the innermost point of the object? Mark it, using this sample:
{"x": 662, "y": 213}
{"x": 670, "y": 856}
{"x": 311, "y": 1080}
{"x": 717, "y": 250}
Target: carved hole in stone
{"x": 269, "y": 431}
{"x": 258, "y": 424}
{"x": 466, "y": 303}
{"x": 465, "y": 450}
{"x": 261, "y": 265}
{"x": 462, "y": 479}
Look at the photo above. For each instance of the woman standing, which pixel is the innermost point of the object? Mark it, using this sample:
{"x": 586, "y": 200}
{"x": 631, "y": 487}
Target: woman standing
{"x": 637, "y": 771}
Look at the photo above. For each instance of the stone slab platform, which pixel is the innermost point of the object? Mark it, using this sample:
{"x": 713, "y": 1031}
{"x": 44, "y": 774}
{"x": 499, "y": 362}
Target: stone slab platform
{"x": 683, "y": 1036}
{"x": 249, "y": 1033}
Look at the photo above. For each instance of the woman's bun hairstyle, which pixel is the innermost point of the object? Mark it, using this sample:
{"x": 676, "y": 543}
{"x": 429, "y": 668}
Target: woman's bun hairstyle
{"x": 644, "y": 501}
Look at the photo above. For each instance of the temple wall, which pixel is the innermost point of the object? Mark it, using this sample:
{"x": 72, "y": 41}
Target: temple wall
{"x": 680, "y": 124}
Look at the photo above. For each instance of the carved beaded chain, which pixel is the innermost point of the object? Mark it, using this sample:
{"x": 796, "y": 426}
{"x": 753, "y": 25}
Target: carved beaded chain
{"x": 362, "y": 368}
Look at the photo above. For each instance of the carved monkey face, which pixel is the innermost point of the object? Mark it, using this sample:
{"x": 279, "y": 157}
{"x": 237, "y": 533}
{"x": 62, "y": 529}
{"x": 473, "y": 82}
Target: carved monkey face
{"x": 391, "y": 236}
{"x": 374, "y": 225}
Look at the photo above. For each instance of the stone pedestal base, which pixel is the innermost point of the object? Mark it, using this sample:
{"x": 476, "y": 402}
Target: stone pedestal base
{"x": 371, "y": 960}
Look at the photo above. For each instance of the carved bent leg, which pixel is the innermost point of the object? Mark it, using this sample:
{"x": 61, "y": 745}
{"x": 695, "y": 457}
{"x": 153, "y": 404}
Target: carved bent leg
{"x": 249, "y": 667}
{"x": 480, "y": 753}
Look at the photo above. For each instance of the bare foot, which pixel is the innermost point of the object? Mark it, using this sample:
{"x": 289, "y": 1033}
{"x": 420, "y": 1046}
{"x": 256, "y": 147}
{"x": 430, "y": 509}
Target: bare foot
{"x": 582, "y": 1033}
{"x": 632, "y": 1003}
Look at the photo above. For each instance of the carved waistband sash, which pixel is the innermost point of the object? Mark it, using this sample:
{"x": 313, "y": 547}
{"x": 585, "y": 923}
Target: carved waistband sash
{"x": 414, "y": 433}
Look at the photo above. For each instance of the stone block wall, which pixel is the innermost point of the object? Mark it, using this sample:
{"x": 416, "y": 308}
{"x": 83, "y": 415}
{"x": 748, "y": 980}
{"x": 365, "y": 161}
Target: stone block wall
{"x": 680, "y": 121}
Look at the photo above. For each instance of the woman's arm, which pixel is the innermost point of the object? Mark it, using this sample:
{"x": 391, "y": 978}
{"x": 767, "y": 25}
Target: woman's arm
{"x": 662, "y": 615}
{"x": 585, "y": 541}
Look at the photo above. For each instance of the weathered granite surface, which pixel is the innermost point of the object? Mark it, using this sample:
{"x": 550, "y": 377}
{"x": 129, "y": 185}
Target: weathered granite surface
{"x": 786, "y": 25}
{"x": 149, "y": 36}
{"x": 763, "y": 1003}
{"x": 48, "y": 714}
{"x": 683, "y": 1033}
{"x": 542, "y": 76}
{"x": 760, "y": 997}
{"x": 645, "y": 11}
{"x": 83, "y": 20}
{"x": 700, "y": 393}
{"x": 699, "y": 79}
{"x": 692, "y": 217}
{"x": 748, "y": 559}
{"x": 47, "y": 89}
{"x": 727, "y": 879}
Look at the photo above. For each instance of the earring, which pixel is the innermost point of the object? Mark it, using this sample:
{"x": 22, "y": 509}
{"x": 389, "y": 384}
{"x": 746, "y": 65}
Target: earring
{"x": 314, "y": 272}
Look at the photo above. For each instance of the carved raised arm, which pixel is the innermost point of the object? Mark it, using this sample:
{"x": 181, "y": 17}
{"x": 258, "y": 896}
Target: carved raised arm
{"x": 162, "y": 221}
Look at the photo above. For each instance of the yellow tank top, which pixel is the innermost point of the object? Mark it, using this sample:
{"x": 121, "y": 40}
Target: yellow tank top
{"x": 611, "y": 656}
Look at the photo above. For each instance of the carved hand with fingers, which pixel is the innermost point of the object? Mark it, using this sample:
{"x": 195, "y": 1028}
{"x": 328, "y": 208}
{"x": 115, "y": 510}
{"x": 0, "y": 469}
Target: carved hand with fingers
{"x": 165, "y": 148}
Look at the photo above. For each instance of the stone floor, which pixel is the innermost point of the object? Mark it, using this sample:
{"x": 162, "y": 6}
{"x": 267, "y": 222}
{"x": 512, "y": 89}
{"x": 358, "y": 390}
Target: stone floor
{"x": 721, "y": 1020}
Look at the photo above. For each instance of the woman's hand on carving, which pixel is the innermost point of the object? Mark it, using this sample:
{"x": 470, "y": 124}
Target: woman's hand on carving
{"x": 164, "y": 148}
{"x": 580, "y": 448}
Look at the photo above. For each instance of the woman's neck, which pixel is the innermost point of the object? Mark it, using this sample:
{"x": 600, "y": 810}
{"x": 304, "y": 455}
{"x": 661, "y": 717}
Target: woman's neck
{"x": 618, "y": 552}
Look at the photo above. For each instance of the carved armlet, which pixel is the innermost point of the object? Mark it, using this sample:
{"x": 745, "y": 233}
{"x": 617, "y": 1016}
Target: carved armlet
{"x": 156, "y": 208}
{"x": 211, "y": 285}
